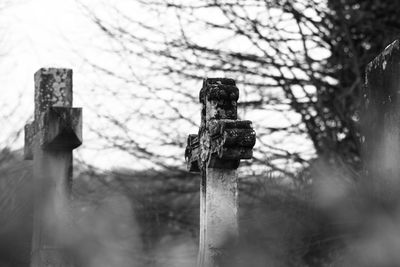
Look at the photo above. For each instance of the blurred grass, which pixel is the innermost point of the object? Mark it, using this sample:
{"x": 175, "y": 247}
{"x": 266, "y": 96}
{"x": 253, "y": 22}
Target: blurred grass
{"x": 126, "y": 218}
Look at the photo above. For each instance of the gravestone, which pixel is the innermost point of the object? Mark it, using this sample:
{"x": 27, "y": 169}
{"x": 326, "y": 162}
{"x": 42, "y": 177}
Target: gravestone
{"x": 380, "y": 120}
{"x": 49, "y": 141}
{"x": 215, "y": 152}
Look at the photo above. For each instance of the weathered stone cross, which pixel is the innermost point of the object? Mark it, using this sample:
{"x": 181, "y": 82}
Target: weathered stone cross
{"x": 49, "y": 141}
{"x": 216, "y": 151}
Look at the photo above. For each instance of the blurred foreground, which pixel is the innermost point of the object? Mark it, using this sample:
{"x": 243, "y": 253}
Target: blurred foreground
{"x": 151, "y": 219}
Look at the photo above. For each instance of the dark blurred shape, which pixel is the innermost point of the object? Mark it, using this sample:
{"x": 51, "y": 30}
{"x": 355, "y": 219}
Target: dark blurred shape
{"x": 360, "y": 31}
{"x": 151, "y": 218}
{"x": 381, "y": 117}
{"x": 15, "y": 209}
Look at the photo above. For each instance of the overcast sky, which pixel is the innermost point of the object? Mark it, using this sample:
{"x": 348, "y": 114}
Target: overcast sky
{"x": 43, "y": 33}
{"x": 56, "y": 33}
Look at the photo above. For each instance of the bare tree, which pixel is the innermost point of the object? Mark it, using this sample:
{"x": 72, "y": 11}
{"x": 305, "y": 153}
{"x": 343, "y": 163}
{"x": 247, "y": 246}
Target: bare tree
{"x": 274, "y": 50}
{"x": 299, "y": 66}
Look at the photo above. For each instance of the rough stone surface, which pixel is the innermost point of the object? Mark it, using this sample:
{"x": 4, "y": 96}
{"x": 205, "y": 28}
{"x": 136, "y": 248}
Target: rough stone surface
{"x": 53, "y": 88}
{"x": 221, "y": 214}
{"x": 216, "y": 151}
{"x": 219, "y": 98}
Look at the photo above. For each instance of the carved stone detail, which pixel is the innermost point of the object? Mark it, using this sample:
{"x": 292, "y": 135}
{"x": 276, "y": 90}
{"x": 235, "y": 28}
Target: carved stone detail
{"x": 222, "y": 140}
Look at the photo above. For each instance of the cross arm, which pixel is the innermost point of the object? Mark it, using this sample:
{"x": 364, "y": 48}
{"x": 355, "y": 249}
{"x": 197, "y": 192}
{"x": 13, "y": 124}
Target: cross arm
{"x": 61, "y": 128}
{"x": 229, "y": 142}
{"x": 232, "y": 139}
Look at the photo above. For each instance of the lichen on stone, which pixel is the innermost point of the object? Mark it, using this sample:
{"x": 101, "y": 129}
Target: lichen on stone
{"x": 53, "y": 88}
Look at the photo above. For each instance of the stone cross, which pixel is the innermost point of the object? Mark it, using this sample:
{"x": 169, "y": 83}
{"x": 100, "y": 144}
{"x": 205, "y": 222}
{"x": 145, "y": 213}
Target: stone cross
{"x": 216, "y": 151}
{"x": 49, "y": 141}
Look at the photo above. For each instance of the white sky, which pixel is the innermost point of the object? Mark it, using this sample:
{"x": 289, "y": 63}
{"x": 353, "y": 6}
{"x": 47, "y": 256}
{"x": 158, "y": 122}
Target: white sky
{"x": 47, "y": 33}
{"x": 44, "y": 33}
